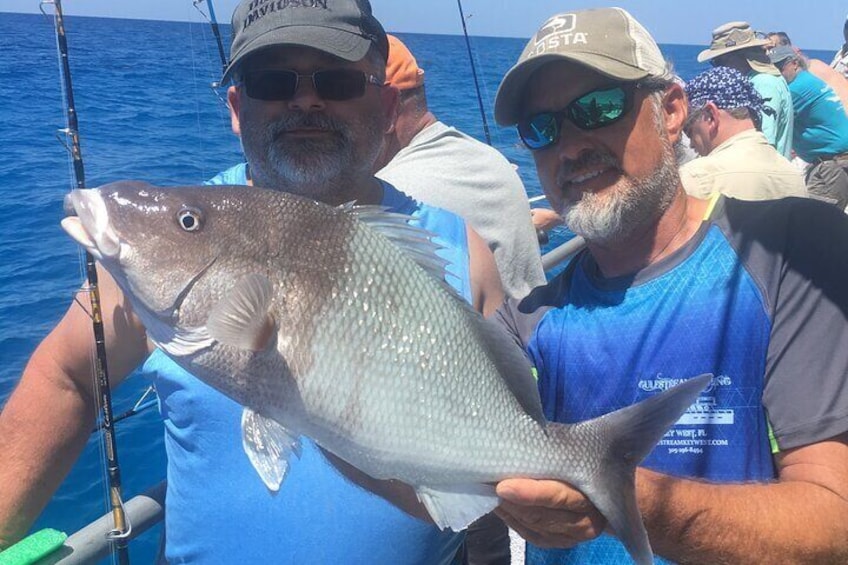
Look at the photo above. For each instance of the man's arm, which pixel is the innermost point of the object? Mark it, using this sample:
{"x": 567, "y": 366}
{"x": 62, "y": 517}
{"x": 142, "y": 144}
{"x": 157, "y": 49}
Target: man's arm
{"x": 800, "y": 518}
{"x": 49, "y": 417}
{"x": 486, "y": 288}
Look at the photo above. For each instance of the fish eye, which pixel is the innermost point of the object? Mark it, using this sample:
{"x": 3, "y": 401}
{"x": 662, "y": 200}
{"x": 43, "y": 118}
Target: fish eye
{"x": 190, "y": 219}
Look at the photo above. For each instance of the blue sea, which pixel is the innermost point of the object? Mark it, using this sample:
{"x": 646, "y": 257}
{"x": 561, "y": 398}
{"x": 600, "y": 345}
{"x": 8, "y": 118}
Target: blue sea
{"x": 147, "y": 111}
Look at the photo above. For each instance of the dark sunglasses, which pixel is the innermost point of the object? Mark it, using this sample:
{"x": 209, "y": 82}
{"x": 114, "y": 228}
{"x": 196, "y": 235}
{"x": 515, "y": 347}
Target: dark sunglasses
{"x": 595, "y": 109}
{"x": 335, "y": 84}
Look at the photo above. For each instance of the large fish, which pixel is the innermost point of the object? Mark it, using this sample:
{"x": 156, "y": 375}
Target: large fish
{"x": 335, "y": 323}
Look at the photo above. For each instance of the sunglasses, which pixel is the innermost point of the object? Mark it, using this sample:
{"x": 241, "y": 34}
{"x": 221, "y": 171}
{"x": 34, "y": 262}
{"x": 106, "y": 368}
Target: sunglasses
{"x": 335, "y": 84}
{"x": 595, "y": 109}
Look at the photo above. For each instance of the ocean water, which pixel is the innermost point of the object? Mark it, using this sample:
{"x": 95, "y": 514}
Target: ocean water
{"x": 147, "y": 111}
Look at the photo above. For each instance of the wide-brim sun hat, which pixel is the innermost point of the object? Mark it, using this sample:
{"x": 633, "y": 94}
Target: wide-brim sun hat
{"x": 730, "y": 37}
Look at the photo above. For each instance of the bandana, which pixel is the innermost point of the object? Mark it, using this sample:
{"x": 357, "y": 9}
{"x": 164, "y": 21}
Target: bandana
{"x": 726, "y": 88}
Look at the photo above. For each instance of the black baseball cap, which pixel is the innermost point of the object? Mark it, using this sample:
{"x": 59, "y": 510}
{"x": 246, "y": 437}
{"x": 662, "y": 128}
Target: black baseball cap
{"x": 344, "y": 28}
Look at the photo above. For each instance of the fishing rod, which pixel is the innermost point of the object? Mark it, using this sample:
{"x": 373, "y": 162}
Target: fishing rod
{"x": 119, "y": 535}
{"x": 474, "y": 73}
{"x": 141, "y": 405}
{"x": 216, "y": 31}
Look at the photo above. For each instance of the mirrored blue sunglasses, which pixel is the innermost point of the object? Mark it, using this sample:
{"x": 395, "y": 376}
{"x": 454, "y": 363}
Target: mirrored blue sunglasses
{"x": 595, "y": 109}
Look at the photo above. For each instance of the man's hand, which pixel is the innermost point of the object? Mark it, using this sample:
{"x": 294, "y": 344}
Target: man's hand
{"x": 548, "y": 513}
{"x": 545, "y": 219}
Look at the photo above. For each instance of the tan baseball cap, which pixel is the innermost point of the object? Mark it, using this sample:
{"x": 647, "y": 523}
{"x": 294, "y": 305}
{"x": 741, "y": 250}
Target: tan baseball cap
{"x": 607, "y": 40}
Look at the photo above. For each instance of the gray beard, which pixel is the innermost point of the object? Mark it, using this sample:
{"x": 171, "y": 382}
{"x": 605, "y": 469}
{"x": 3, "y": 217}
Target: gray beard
{"x": 632, "y": 205}
{"x": 313, "y": 168}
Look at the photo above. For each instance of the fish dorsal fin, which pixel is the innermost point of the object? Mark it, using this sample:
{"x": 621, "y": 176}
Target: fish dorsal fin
{"x": 268, "y": 445}
{"x": 242, "y": 318}
{"x": 514, "y": 366}
{"x": 415, "y": 241}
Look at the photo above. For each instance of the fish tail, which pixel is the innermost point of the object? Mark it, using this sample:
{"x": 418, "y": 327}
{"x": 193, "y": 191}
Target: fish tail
{"x": 630, "y": 434}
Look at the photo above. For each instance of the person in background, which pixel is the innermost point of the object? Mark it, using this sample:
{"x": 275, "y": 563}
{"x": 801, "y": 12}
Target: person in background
{"x": 309, "y": 102}
{"x": 735, "y": 45}
{"x": 821, "y": 128}
{"x": 776, "y": 38}
{"x": 819, "y": 68}
{"x": 737, "y": 160}
{"x": 545, "y": 219}
{"x": 669, "y": 287}
{"x": 840, "y": 60}
{"x": 442, "y": 166}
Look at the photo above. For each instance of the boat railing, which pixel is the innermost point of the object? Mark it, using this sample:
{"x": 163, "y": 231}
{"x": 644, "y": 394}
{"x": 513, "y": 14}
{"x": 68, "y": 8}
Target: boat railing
{"x": 563, "y": 253}
{"x": 90, "y": 544}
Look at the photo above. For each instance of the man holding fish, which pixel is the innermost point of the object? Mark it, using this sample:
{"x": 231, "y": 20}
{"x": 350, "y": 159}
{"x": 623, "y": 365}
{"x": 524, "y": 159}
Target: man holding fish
{"x": 311, "y": 109}
{"x": 755, "y": 293}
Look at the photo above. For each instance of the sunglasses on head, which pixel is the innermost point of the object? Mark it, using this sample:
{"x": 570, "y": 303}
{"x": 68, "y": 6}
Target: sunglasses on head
{"x": 335, "y": 84}
{"x": 595, "y": 109}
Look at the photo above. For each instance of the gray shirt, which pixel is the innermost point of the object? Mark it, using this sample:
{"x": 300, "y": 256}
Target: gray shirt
{"x": 443, "y": 167}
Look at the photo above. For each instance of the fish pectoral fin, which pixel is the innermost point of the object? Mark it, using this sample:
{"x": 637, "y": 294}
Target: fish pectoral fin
{"x": 268, "y": 446}
{"x": 182, "y": 343}
{"x": 456, "y": 506}
{"x": 242, "y": 318}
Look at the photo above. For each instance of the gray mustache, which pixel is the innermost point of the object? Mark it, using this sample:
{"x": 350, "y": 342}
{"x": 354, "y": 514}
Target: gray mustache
{"x": 586, "y": 160}
{"x": 303, "y": 120}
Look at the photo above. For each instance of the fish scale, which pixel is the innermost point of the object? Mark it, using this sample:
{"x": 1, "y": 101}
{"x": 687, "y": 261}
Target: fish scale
{"x": 337, "y": 324}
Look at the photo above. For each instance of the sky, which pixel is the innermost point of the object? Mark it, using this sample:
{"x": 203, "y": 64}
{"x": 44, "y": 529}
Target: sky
{"x": 816, "y": 26}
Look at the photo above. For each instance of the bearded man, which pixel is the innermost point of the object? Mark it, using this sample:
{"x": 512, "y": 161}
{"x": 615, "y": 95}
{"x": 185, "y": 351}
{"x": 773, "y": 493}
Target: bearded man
{"x": 669, "y": 287}
{"x": 309, "y": 101}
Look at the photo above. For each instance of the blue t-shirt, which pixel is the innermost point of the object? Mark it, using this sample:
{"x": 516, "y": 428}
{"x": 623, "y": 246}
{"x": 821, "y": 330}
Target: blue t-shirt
{"x": 757, "y": 298}
{"x": 219, "y": 511}
{"x": 821, "y": 125}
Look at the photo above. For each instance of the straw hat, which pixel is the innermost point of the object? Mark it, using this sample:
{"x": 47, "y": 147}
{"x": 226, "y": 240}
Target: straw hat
{"x": 738, "y": 36}
{"x": 731, "y": 36}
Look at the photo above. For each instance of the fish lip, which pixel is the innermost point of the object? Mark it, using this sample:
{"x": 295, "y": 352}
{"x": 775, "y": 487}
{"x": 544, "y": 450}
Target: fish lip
{"x": 86, "y": 215}
{"x": 68, "y": 206}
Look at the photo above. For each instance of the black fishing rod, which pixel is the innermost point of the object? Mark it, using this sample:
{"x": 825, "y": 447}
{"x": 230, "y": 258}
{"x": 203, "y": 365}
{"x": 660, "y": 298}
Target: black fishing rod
{"x": 119, "y": 535}
{"x": 216, "y": 31}
{"x": 474, "y": 73}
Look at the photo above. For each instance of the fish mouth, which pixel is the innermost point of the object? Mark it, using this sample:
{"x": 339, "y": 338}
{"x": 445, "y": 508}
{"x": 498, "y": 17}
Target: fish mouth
{"x": 87, "y": 222}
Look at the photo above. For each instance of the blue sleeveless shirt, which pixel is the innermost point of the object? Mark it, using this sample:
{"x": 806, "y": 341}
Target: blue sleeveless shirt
{"x": 219, "y": 511}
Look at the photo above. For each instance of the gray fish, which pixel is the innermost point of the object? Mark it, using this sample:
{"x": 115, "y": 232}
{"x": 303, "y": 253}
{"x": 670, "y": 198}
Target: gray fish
{"x": 336, "y": 323}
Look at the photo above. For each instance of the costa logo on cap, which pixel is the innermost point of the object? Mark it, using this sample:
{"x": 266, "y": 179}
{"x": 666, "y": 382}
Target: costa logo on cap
{"x": 608, "y": 41}
{"x": 556, "y": 32}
